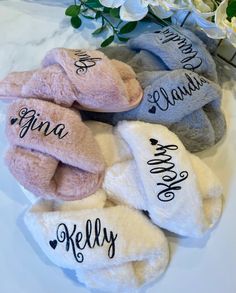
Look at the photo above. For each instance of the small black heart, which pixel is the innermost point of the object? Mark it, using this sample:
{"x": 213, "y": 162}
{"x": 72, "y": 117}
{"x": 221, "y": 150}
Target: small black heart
{"x": 13, "y": 121}
{"x": 153, "y": 141}
{"x": 152, "y": 110}
{"x": 53, "y": 243}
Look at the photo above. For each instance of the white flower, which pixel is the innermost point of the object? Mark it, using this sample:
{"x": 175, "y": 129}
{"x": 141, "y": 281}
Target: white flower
{"x": 228, "y": 27}
{"x": 202, "y": 15}
{"x": 164, "y": 9}
{"x": 133, "y": 10}
{"x": 203, "y": 7}
{"x": 112, "y": 3}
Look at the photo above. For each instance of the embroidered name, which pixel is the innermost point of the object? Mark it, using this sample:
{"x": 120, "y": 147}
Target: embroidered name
{"x": 162, "y": 164}
{"x": 163, "y": 98}
{"x": 84, "y": 62}
{"x": 28, "y": 120}
{"x": 184, "y": 46}
{"x": 76, "y": 241}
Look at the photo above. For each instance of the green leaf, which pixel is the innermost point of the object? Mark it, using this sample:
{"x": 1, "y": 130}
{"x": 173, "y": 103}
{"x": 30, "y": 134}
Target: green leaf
{"x": 99, "y": 30}
{"x": 72, "y": 10}
{"x": 123, "y": 39}
{"x": 231, "y": 9}
{"x": 115, "y": 12}
{"x": 98, "y": 14}
{"x": 94, "y": 4}
{"x": 106, "y": 10}
{"x": 128, "y": 27}
{"x": 76, "y": 22}
{"x": 108, "y": 41}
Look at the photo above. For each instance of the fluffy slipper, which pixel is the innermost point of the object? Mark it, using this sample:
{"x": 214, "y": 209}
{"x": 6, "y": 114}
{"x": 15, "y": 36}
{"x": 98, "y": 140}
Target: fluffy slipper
{"x": 177, "y": 48}
{"x": 84, "y": 79}
{"x": 180, "y": 193}
{"x": 54, "y": 154}
{"x": 189, "y": 104}
{"x": 99, "y": 243}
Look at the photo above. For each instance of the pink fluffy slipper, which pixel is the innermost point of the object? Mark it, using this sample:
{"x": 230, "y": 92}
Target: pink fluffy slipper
{"x": 79, "y": 78}
{"x": 53, "y": 153}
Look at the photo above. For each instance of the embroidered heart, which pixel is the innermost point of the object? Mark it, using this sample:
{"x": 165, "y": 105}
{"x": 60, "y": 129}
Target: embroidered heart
{"x": 53, "y": 243}
{"x": 152, "y": 110}
{"x": 153, "y": 141}
{"x": 13, "y": 121}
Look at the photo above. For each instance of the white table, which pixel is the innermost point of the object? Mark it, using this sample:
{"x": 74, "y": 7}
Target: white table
{"x": 208, "y": 265}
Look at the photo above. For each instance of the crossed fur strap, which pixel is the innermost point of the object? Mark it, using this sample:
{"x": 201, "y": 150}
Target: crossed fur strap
{"x": 187, "y": 99}
{"x": 80, "y": 78}
{"x": 98, "y": 242}
{"x": 53, "y": 153}
{"x": 155, "y": 173}
{"x": 178, "y": 48}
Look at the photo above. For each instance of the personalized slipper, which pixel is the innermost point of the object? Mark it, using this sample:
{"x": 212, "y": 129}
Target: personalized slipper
{"x": 84, "y": 79}
{"x": 169, "y": 96}
{"x": 178, "y": 48}
{"x": 180, "y": 193}
{"x": 187, "y": 103}
{"x": 54, "y": 154}
{"x": 100, "y": 243}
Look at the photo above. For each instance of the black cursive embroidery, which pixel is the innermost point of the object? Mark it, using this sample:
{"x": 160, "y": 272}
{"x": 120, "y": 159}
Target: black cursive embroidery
{"x": 184, "y": 46}
{"x": 85, "y": 61}
{"x": 28, "y": 120}
{"x": 162, "y": 164}
{"x": 75, "y": 241}
{"x": 162, "y": 99}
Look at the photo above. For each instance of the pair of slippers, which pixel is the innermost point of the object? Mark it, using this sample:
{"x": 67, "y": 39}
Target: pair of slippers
{"x": 179, "y": 79}
{"x": 52, "y": 151}
{"x": 106, "y": 236}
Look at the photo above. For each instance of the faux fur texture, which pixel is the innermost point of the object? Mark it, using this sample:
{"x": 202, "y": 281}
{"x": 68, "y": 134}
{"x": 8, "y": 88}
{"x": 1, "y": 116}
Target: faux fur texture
{"x": 178, "y": 48}
{"x": 134, "y": 251}
{"x": 114, "y": 149}
{"x": 54, "y": 153}
{"x": 84, "y": 79}
{"x": 173, "y": 95}
{"x": 139, "y": 61}
{"x": 183, "y": 100}
{"x": 179, "y": 191}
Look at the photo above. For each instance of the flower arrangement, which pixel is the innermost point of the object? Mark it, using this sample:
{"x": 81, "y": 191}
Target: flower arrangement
{"x": 216, "y": 17}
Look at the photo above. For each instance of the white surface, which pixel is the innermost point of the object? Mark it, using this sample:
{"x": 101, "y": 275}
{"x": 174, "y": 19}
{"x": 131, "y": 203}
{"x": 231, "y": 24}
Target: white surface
{"x": 205, "y": 266}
